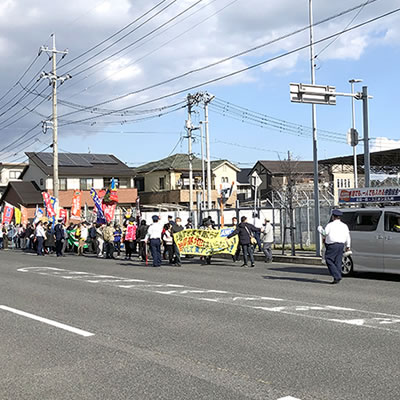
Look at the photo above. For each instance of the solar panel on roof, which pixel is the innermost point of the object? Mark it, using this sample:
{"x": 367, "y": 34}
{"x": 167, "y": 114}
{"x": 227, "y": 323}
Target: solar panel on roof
{"x": 78, "y": 160}
{"x": 46, "y": 158}
{"x": 103, "y": 159}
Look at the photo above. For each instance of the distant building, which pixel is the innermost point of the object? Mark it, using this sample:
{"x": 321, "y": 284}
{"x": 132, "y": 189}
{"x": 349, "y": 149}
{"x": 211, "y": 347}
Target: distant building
{"x": 274, "y": 174}
{"x": 244, "y": 191}
{"x": 167, "y": 181}
{"x": 76, "y": 172}
{"x": 9, "y": 172}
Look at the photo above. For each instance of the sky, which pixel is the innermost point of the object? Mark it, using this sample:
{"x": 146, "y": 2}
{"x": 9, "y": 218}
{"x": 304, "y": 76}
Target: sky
{"x": 163, "y": 40}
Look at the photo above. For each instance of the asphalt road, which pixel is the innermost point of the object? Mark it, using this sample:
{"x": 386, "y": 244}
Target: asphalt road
{"x": 84, "y": 328}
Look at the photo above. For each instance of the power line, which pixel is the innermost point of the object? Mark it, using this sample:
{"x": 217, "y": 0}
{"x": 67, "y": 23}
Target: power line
{"x": 155, "y": 50}
{"x": 113, "y": 35}
{"x": 138, "y": 40}
{"x": 351, "y": 21}
{"x": 241, "y": 54}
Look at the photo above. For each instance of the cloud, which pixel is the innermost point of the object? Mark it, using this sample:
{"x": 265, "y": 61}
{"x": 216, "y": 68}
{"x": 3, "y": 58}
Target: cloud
{"x": 384, "y": 143}
{"x": 175, "y": 49}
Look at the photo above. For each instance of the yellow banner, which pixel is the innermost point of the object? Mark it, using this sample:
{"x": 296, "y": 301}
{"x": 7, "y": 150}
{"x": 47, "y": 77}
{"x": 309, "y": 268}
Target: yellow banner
{"x": 17, "y": 215}
{"x": 202, "y": 242}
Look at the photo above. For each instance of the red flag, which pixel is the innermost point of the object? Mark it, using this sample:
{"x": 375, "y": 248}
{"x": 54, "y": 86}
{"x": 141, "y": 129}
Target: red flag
{"x": 47, "y": 203}
{"x": 8, "y": 213}
{"x": 76, "y": 205}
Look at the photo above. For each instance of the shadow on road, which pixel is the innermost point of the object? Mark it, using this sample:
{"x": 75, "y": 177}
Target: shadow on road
{"x": 288, "y": 278}
{"x": 302, "y": 270}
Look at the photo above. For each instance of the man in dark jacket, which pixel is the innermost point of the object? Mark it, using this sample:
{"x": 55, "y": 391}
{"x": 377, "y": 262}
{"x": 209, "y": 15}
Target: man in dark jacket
{"x": 245, "y": 232}
{"x": 177, "y": 227}
{"x": 59, "y": 234}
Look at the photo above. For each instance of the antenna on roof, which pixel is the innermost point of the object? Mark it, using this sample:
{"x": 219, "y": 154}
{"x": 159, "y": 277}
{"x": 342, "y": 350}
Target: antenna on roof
{"x": 88, "y": 150}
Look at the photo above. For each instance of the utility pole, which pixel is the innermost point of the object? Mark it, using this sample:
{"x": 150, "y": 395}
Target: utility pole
{"x": 189, "y": 129}
{"x": 367, "y": 163}
{"x": 203, "y": 173}
{"x": 315, "y": 141}
{"x": 207, "y": 99}
{"x": 53, "y": 79}
{"x": 290, "y": 184}
{"x": 353, "y": 125}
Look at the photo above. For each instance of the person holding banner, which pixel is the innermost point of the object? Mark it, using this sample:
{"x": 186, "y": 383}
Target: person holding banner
{"x": 245, "y": 231}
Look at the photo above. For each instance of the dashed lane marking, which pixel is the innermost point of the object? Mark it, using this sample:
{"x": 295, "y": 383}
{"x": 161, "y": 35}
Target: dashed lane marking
{"x": 329, "y": 313}
{"x": 47, "y": 321}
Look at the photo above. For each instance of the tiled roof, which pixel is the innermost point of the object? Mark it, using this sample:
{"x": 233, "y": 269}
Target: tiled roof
{"x": 178, "y": 162}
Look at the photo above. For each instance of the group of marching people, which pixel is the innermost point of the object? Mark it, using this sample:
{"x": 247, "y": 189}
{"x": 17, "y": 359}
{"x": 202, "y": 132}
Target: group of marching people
{"x": 107, "y": 240}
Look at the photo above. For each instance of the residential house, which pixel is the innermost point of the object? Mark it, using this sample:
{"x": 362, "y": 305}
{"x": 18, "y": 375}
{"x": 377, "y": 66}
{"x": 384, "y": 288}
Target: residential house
{"x": 25, "y": 194}
{"x": 244, "y": 190}
{"x": 274, "y": 174}
{"x": 9, "y": 172}
{"x": 167, "y": 181}
{"x": 80, "y": 171}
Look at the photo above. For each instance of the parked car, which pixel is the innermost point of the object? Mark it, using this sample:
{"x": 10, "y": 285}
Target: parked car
{"x": 375, "y": 240}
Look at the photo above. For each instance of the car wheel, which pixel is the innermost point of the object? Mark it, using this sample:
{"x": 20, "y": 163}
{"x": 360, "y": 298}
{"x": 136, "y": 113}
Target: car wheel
{"x": 347, "y": 266}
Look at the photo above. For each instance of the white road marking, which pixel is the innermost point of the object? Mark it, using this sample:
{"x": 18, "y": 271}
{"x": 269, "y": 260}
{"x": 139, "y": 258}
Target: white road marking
{"x": 288, "y": 398}
{"x": 329, "y": 313}
{"x": 48, "y": 321}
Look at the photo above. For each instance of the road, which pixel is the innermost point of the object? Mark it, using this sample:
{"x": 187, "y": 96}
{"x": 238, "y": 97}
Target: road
{"x": 84, "y": 328}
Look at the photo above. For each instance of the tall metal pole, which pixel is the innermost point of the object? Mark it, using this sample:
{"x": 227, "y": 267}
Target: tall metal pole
{"x": 189, "y": 129}
{"x": 55, "y": 121}
{"x": 315, "y": 141}
{"x": 203, "y": 171}
{"x": 209, "y": 199}
{"x": 353, "y": 125}
{"x": 367, "y": 164}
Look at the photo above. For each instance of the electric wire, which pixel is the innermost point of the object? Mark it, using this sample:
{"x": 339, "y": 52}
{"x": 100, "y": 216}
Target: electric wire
{"x": 137, "y": 40}
{"x": 231, "y": 74}
{"x": 152, "y": 51}
{"x": 113, "y": 35}
{"x": 241, "y": 54}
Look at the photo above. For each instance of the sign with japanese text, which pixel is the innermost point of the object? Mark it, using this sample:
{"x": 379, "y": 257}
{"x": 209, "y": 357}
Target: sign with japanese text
{"x": 370, "y": 195}
{"x": 206, "y": 242}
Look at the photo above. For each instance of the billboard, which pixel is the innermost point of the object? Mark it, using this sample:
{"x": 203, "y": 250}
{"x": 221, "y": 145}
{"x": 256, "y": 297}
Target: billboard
{"x": 370, "y": 195}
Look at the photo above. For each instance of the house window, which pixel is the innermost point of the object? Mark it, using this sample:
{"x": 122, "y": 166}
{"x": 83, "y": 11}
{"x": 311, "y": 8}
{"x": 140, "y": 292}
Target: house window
{"x": 41, "y": 181}
{"x": 162, "y": 183}
{"x": 14, "y": 174}
{"x": 62, "y": 183}
{"x": 85, "y": 183}
{"x": 107, "y": 182}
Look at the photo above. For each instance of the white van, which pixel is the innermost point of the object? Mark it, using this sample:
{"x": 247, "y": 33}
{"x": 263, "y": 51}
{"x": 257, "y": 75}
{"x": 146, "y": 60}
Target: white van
{"x": 375, "y": 239}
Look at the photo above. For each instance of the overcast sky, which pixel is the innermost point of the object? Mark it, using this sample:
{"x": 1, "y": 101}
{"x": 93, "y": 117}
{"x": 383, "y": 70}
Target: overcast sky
{"x": 207, "y": 32}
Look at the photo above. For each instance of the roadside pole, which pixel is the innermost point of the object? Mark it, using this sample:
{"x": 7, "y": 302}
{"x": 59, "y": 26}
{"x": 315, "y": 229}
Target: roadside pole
{"x": 367, "y": 163}
{"x": 315, "y": 140}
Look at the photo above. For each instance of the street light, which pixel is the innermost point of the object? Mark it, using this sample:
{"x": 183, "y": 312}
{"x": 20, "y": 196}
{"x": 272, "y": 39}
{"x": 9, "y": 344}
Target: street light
{"x": 353, "y": 124}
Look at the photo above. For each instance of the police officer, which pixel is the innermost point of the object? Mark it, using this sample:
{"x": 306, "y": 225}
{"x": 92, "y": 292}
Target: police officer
{"x": 154, "y": 236}
{"x": 337, "y": 238}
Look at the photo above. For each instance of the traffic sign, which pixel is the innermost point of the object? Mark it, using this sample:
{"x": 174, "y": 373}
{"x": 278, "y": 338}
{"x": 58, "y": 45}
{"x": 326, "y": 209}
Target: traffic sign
{"x": 255, "y": 180}
{"x": 312, "y": 94}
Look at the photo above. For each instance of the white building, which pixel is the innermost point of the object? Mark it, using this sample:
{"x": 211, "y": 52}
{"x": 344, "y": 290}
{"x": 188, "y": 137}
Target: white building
{"x": 9, "y": 172}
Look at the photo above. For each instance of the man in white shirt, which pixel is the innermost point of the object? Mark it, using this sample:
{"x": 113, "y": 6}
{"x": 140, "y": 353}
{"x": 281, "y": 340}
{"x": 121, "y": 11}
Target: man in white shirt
{"x": 257, "y": 234}
{"x": 40, "y": 237}
{"x": 154, "y": 237}
{"x": 337, "y": 238}
{"x": 267, "y": 239}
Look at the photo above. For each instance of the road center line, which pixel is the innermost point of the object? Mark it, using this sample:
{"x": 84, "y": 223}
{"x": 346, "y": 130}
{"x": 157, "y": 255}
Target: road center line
{"x": 48, "y": 321}
{"x": 329, "y": 313}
